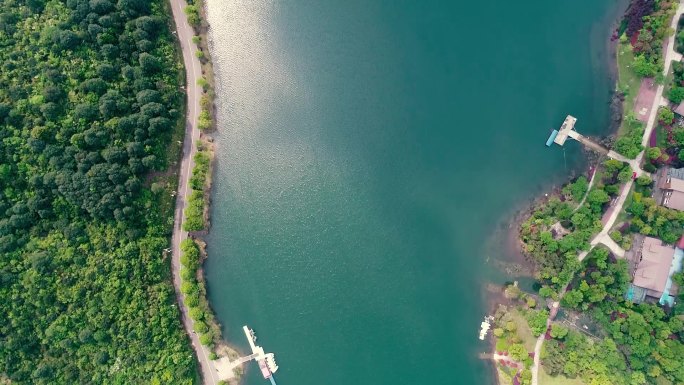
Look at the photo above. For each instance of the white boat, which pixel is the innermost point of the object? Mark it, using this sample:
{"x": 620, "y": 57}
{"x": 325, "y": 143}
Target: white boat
{"x": 485, "y": 326}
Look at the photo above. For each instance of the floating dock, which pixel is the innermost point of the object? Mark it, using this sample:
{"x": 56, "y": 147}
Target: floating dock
{"x": 553, "y": 135}
{"x": 567, "y": 130}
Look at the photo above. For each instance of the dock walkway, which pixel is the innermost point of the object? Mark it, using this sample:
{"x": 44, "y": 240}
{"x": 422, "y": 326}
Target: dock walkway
{"x": 567, "y": 130}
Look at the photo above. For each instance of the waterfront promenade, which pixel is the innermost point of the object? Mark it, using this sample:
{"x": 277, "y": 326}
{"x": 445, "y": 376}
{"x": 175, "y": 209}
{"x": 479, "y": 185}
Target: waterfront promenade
{"x": 193, "y": 72}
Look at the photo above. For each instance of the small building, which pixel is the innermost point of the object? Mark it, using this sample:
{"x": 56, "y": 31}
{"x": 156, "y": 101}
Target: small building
{"x": 652, "y": 275}
{"x": 672, "y": 187}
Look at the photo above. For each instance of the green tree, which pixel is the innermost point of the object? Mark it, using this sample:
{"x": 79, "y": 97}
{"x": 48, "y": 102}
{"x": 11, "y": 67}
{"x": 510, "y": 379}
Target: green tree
{"x": 558, "y": 331}
{"x": 643, "y": 67}
{"x": 518, "y": 352}
{"x": 192, "y": 13}
{"x": 676, "y": 94}
{"x": 653, "y": 153}
{"x": 644, "y": 180}
{"x": 665, "y": 116}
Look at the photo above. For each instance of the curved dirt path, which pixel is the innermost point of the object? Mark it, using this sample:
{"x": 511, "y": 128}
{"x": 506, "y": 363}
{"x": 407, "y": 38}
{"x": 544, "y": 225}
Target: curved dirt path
{"x": 193, "y": 71}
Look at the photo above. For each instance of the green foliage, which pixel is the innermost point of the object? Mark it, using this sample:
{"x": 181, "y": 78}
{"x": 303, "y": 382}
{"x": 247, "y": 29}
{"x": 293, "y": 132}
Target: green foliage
{"x": 649, "y": 218}
{"x": 196, "y": 314}
{"x": 665, "y": 116}
{"x": 613, "y": 166}
{"x": 202, "y": 82}
{"x": 644, "y": 331}
{"x": 676, "y": 94}
{"x": 597, "y": 197}
{"x": 644, "y": 67}
{"x": 194, "y": 211}
{"x": 537, "y": 321}
{"x": 644, "y": 180}
{"x": 195, "y": 294}
{"x": 207, "y": 339}
{"x": 653, "y": 153}
{"x": 655, "y": 27}
{"x": 556, "y": 256}
{"x": 192, "y": 13}
{"x": 629, "y": 144}
{"x": 201, "y": 170}
{"x": 616, "y": 236}
{"x": 204, "y": 120}
{"x": 517, "y": 352}
{"x": 88, "y": 99}
{"x": 558, "y": 331}
{"x": 598, "y": 362}
{"x": 577, "y": 189}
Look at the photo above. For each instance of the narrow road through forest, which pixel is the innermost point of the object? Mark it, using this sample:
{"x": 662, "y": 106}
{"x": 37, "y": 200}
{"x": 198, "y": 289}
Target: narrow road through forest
{"x": 193, "y": 71}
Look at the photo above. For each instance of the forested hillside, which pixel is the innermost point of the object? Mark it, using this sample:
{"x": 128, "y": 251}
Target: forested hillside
{"x": 89, "y": 98}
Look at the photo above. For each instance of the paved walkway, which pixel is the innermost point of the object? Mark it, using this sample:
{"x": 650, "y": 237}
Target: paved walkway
{"x": 634, "y": 164}
{"x": 603, "y": 237}
{"x": 193, "y": 71}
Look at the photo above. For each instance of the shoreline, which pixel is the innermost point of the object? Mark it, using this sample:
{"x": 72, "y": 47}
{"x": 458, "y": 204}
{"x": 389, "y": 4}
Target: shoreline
{"x": 199, "y": 119}
{"x": 515, "y": 256}
{"x": 634, "y": 166}
{"x": 222, "y": 346}
{"x": 509, "y": 227}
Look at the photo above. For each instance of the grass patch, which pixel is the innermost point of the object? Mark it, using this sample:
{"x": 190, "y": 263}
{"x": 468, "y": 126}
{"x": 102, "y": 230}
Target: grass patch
{"x": 628, "y": 80}
{"x": 669, "y": 79}
{"x": 524, "y": 331}
{"x": 661, "y": 137}
{"x": 546, "y": 379}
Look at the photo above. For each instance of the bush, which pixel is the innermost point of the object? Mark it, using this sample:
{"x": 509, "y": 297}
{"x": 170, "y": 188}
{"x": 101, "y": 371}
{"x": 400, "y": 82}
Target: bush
{"x": 188, "y": 287}
{"x": 201, "y": 327}
{"x": 676, "y": 94}
{"x": 206, "y": 339}
{"x": 194, "y": 212}
{"x": 665, "y": 116}
{"x": 196, "y": 314}
{"x": 192, "y": 13}
{"x": 202, "y": 82}
{"x": 204, "y": 120}
{"x": 644, "y": 67}
{"x": 616, "y": 236}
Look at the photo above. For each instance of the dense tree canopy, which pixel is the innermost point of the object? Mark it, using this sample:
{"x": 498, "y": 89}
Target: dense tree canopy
{"x": 88, "y": 100}
{"x": 648, "y": 338}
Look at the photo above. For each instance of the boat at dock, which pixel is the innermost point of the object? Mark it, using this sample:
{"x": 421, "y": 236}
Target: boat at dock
{"x": 266, "y": 361}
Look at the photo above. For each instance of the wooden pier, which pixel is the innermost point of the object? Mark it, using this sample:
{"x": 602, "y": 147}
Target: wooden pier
{"x": 225, "y": 367}
{"x": 567, "y": 130}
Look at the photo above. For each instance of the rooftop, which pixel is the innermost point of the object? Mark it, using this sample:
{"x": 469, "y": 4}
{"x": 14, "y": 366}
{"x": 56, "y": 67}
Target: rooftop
{"x": 653, "y": 269}
{"x": 677, "y": 173}
{"x": 674, "y": 200}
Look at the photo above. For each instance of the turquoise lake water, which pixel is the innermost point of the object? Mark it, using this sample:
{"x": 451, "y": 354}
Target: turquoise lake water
{"x": 367, "y": 151}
